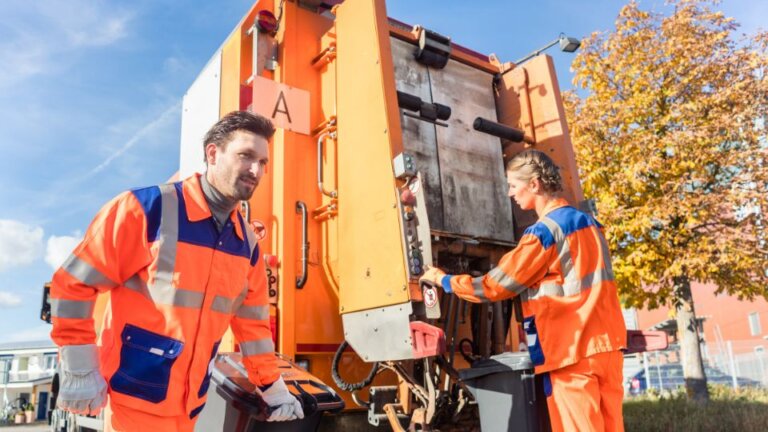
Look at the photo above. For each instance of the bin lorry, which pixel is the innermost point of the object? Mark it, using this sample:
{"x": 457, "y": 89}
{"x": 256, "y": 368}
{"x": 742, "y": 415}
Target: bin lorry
{"x": 389, "y": 156}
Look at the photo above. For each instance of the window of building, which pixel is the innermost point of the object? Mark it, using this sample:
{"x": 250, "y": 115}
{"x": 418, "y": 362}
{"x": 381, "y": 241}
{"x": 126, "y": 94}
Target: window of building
{"x": 49, "y": 362}
{"x": 5, "y": 368}
{"x": 23, "y": 364}
{"x": 754, "y": 324}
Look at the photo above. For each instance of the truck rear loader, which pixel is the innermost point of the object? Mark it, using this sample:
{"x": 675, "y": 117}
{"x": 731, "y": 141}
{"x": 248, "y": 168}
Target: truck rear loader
{"x": 389, "y": 156}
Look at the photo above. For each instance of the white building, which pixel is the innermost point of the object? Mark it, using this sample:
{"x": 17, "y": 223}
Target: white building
{"x": 26, "y": 373}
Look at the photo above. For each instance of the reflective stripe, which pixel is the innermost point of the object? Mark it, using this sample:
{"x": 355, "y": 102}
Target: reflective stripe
{"x": 477, "y": 284}
{"x": 260, "y": 346}
{"x": 606, "y": 256}
{"x": 507, "y": 282}
{"x": 549, "y": 290}
{"x": 571, "y": 281}
{"x": 596, "y": 278}
{"x": 222, "y": 304}
{"x": 176, "y": 297}
{"x": 241, "y": 298}
{"x": 555, "y": 290}
{"x": 562, "y": 245}
{"x": 135, "y": 283}
{"x": 86, "y": 273}
{"x": 162, "y": 290}
{"x": 253, "y": 312}
{"x": 186, "y": 298}
{"x": 61, "y": 308}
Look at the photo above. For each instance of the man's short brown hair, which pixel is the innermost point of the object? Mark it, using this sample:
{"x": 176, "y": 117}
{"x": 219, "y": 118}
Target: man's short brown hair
{"x": 221, "y": 133}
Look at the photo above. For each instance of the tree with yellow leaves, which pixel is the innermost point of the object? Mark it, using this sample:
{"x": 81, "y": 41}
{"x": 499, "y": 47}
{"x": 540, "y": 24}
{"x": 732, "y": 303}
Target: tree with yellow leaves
{"x": 670, "y": 136}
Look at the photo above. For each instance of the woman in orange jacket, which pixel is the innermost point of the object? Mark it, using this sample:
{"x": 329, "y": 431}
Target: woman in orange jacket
{"x": 561, "y": 269}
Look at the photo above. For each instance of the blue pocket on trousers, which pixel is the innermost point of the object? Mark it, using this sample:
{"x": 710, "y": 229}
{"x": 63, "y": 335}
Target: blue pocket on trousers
{"x": 533, "y": 342}
{"x": 146, "y": 360}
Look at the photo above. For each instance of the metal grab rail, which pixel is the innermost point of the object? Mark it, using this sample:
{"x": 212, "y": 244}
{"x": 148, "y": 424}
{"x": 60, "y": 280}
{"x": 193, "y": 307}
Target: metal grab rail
{"x": 301, "y": 280}
{"x": 320, "y": 140}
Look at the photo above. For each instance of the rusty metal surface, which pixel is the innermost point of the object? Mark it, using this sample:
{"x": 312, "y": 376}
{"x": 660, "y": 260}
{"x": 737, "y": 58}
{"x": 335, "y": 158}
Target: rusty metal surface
{"x": 463, "y": 169}
{"x": 419, "y": 137}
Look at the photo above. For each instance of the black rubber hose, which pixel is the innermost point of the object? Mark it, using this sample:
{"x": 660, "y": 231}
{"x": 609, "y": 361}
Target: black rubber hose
{"x": 343, "y": 384}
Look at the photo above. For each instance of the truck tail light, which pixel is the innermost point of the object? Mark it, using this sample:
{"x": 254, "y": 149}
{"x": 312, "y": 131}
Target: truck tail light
{"x": 266, "y": 21}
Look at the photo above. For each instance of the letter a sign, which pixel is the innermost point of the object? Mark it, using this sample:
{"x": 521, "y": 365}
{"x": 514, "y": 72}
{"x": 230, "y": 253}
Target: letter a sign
{"x": 286, "y": 106}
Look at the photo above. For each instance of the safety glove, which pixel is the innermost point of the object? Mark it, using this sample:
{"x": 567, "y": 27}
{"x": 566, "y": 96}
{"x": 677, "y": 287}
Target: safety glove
{"x": 82, "y": 389}
{"x": 434, "y": 276}
{"x": 282, "y": 404}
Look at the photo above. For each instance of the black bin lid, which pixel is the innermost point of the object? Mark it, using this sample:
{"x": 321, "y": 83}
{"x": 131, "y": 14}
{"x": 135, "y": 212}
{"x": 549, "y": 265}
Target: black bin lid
{"x": 231, "y": 378}
{"x": 500, "y": 363}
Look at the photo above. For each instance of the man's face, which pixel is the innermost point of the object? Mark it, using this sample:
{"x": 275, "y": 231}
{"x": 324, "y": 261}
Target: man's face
{"x": 236, "y": 169}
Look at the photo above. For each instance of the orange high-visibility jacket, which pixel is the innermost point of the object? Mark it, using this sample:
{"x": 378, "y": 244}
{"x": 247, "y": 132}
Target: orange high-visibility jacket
{"x": 561, "y": 268}
{"x": 176, "y": 284}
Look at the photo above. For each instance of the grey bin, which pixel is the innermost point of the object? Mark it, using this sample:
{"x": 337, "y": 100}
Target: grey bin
{"x": 234, "y": 406}
{"x": 505, "y": 391}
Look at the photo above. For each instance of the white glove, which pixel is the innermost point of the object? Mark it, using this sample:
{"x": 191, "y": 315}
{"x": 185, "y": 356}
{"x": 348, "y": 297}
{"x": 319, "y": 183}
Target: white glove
{"x": 284, "y": 406}
{"x": 83, "y": 389}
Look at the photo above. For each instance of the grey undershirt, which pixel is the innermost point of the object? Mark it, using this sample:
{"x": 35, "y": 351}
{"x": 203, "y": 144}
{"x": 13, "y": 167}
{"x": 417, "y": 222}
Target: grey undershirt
{"x": 221, "y": 206}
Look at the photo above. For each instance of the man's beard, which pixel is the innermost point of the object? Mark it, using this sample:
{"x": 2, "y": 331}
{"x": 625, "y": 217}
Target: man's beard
{"x": 242, "y": 191}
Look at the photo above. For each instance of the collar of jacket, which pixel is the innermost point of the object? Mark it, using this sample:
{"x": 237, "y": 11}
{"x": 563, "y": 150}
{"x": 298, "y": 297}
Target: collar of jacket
{"x": 553, "y": 205}
{"x": 197, "y": 206}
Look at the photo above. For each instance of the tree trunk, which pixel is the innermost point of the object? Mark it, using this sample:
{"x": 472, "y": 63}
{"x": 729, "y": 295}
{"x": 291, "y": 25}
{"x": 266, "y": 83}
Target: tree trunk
{"x": 688, "y": 337}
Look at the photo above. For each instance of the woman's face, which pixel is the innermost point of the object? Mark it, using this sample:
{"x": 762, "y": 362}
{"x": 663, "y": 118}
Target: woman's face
{"x": 522, "y": 191}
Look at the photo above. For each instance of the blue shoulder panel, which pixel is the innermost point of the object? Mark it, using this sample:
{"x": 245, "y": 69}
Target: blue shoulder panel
{"x": 542, "y": 233}
{"x": 150, "y": 201}
{"x": 571, "y": 220}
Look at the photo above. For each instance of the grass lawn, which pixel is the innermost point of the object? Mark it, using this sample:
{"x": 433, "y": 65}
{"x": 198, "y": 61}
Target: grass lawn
{"x": 744, "y": 410}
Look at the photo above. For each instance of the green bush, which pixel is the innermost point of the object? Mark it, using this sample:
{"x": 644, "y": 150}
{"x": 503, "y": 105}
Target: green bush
{"x": 743, "y": 410}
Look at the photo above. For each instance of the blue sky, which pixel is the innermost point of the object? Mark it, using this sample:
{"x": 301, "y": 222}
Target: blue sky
{"x": 90, "y": 96}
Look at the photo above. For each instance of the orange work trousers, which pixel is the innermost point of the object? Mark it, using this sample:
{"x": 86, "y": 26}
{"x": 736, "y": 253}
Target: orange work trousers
{"x": 587, "y": 396}
{"x": 119, "y": 418}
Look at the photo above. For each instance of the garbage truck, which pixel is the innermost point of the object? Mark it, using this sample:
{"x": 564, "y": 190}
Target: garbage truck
{"x": 388, "y": 157}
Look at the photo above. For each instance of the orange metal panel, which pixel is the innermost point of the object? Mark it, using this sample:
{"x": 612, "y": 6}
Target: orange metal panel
{"x": 538, "y": 109}
{"x": 308, "y": 315}
{"x": 371, "y": 262}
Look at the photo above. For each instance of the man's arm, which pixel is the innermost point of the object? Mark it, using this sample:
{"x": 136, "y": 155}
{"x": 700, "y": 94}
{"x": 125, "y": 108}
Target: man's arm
{"x": 114, "y": 248}
{"x": 250, "y": 324}
{"x": 251, "y": 327}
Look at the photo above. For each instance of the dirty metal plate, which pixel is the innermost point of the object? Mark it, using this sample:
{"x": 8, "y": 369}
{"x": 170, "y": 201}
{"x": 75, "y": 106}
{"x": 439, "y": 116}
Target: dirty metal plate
{"x": 471, "y": 163}
{"x": 419, "y": 138}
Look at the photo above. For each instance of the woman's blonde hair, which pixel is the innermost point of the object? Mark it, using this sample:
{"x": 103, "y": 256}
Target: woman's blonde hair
{"x": 530, "y": 164}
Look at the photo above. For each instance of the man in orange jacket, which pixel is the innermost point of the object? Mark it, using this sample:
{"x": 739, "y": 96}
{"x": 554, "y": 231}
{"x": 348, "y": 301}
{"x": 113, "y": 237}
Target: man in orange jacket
{"x": 181, "y": 265}
{"x": 574, "y": 327}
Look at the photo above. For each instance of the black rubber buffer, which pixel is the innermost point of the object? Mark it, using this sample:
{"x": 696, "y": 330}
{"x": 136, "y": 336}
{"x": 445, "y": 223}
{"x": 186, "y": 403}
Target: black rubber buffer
{"x": 498, "y": 130}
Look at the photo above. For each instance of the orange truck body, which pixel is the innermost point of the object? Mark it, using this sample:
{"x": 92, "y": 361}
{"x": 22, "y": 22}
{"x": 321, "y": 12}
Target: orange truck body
{"x": 334, "y": 80}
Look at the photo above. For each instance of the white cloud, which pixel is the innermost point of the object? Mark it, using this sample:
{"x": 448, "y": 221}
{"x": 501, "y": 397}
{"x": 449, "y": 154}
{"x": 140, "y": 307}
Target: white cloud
{"x": 42, "y": 37}
{"x": 20, "y": 243}
{"x": 41, "y": 332}
{"x": 59, "y": 248}
{"x": 9, "y": 299}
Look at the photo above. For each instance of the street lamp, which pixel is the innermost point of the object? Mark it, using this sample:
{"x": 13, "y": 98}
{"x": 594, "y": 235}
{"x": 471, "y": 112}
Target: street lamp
{"x": 567, "y": 44}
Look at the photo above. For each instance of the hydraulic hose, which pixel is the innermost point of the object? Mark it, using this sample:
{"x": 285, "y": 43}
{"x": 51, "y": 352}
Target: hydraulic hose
{"x": 343, "y": 384}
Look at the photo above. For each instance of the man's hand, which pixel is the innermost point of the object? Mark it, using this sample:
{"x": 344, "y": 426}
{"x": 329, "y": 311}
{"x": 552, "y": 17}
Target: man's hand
{"x": 284, "y": 406}
{"x": 83, "y": 389}
{"x": 433, "y": 276}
